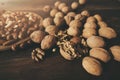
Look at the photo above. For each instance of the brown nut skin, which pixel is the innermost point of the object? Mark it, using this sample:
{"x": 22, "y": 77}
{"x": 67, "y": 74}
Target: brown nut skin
{"x": 115, "y": 50}
{"x": 47, "y": 21}
{"x": 92, "y": 66}
{"x": 90, "y": 25}
{"x": 107, "y": 32}
{"x": 53, "y": 12}
{"x": 101, "y": 54}
{"x": 52, "y": 29}
{"x": 73, "y": 31}
{"x": 48, "y": 42}
{"x": 37, "y": 36}
{"x": 88, "y": 32}
{"x": 74, "y": 5}
{"x": 95, "y": 42}
{"x": 76, "y": 40}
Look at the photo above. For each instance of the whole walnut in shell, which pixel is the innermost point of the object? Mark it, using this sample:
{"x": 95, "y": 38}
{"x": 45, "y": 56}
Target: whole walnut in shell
{"x": 53, "y": 12}
{"x": 37, "y": 36}
{"x": 57, "y": 3}
{"x": 115, "y": 50}
{"x": 58, "y": 21}
{"x": 85, "y": 13}
{"x": 92, "y": 66}
{"x": 52, "y": 29}
{"x": 75, "y": 23}
{"x": 65, "y": 9}
{"x": 88, "y": 32}
{"x": 59, "y": 15}
{"x": 102, "y": 24}
{"x": 82, "y": 2}
{"x": 61, "y": 5}
{"x": 48, "y": 42}
{"x": 107, "y": 32}
{"x": 98, "y": 17}
{"x": 95, "y": 42}
{"x": 73, "y": 31}
{"x": 100, "y": 54}
{"x": 74, "y": 5}
{"x": 47, "y": 21}
{"x": 91, "y": 19}
{"x": 90, "y": 25}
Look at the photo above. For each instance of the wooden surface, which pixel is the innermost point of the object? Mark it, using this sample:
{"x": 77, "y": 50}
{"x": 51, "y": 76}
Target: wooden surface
{"x": 18, "y": 65}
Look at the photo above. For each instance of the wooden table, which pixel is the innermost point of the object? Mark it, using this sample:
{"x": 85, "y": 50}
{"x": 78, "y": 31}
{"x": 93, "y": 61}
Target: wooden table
{"x": 18, "y": 65}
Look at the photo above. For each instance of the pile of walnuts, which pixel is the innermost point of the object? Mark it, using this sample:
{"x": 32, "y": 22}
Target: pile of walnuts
{"x": 78, "y": 35}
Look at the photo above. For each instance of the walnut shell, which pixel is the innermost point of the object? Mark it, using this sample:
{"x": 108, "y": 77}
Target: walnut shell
{"x": 37, "y": 36}
{"x": 61, "y": 5}
{"x": 75, "y": 23}
{"x": 92, "y": 66}
{"x": 57, "y": 3}
{"x": 100, "y": 54}
{"x": 102, "y": 24}
{"x": 58, "y": 21}
{"x": 82, "y": 2}
{"x": 65, "y": 9}
{"x": 48, "y": 42}
{"x": 95, "y": 42}
{"x": 47, "y": 21}
{"x": 53, "y": 12}
{"x": 74, "y": 5}
{"x": 107, "y": 32}
{"x": 115, "y": 50}
{"x": 52, "y": 29}
{"x": 98, "y": 17}
{"x": 73, "y": 31}
{"x": 59, "y": 15}
{"x": 88, "y": 32}
{"x": 90, "y": 25}
{"x": 91, "y": 19}
{"x": 85, "y": 13}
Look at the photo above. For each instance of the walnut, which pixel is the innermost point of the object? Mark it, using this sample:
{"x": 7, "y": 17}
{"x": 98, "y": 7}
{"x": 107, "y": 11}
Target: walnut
{"x": 37, "y": 36}
{"x": 53, "y": 12}
{"x": 98, "y": 17}
{"x": 73, "y": 31}
{"x": 88, "y": 32}
{"x": 74, "y": 5}
{"x": 82, "y": 2}
{"x": 90, "y": 25}
{"x": 95, "y": 42}
{"x": 58, "y": 21}
{"x": 52, "y": 29}
{"x": 48, "y": 42}
{"x": 47, "y": 21}
{"x": 75, "y": 23}
{"x": 91, "y": 19}
{"x": 65, "y": 9}
{"x": 107, "y": 32}
{"x": 85, "y": 13}
{"x": 61, "y": 5}
{"x": 59, "y": 15}
{"x": 102, "y": 24}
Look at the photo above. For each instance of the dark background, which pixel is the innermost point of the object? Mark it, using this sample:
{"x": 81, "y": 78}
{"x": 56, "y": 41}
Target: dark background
{"x": 18, "y": 65}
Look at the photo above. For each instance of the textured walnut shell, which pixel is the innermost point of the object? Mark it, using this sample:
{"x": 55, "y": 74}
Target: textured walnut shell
{"x": 107, "y": 32}
{"x": 52, "y": 29}
{"x": 91, "y": 19}
{"x": 102, "y": 24}
{"x": 92, "y": 66}
{"x": 85, "y": 13}
{"x": 61, "y": 5}
{"x": 98, "y": 17}
{"x": 48, "y": 42}
{"x": 95, "y": 42}
{"x": 115, "y": 50}
{"x": 65, "y": 9}
{"x": 90, "y": 25}
{"x": 57, "y": 3}
{"x": 88, "y": 32}
{"x": 74, "y": 5}
{"x": 59, "y": 15}
{"x": 37, "y": 36}
{"x": 53, "y": 12}
{"x": 58, "y": 21}
{"x": 82, "y": 2}
{"x": 73, "y": 31}
{"x": 100, "y": 54}
{"x": 75, "y": 23}
{"x": 47, "y": 21}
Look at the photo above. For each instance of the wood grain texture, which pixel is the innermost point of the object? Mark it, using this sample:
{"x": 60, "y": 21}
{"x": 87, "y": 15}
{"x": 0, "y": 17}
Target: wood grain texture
{"x": 18, "y": 65}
